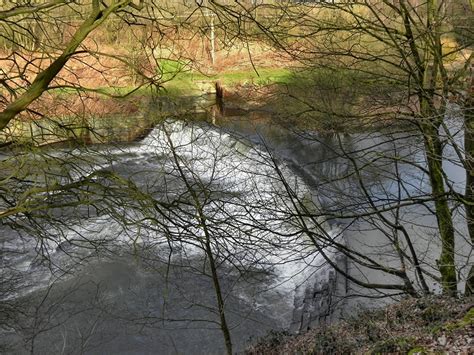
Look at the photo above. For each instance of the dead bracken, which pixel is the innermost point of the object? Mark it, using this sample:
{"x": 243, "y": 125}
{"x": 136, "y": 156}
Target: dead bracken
{"x": 415, "y": 326}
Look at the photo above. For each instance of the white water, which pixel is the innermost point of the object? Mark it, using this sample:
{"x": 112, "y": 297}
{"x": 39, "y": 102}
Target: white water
{"x": 251, "y": 220}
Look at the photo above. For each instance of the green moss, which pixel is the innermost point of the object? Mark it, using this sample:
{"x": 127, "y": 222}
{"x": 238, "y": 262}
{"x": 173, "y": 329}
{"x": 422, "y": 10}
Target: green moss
{"x": 469, "y": 317}
{"x": 393, "y": 345}
{"x": 466, "y": 321}
{"x": 417, "y": 350}
{"x": 436, "y": 329}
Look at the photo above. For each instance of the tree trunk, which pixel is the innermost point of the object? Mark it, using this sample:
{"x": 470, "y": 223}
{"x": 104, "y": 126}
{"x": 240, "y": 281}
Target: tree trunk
{"x": 219, "y": 297}
{"x": 434, "y": 156}
{"x": 469, "y": 194}
{"x": 45, "y": 77}
{"x": 432, "y": 119}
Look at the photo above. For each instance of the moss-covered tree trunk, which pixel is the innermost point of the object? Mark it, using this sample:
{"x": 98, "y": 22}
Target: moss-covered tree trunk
{"x": 469, "y": 195}
{"x": 432, "y": 116}
{"x": 446, "y": 262}
{"x": 42, "y": 81}
{"x": 431, "y": 122}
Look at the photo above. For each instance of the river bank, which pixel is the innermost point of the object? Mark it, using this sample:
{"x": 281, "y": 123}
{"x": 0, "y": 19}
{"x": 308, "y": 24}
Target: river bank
{"x": 305, "y": 98}
{"x": 79, "y": 117}
{"x": 270, "y": 94}
{"x": 414, "y": 326}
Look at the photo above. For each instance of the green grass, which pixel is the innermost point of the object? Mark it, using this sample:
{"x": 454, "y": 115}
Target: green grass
{"x": 189, "y": 82}
{"x": 178, "y": 81}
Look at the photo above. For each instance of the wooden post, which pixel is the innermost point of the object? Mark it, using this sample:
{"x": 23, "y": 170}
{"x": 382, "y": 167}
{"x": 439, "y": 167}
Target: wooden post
{"x": 213, "y": 39}
{"x": 220, "y": 93}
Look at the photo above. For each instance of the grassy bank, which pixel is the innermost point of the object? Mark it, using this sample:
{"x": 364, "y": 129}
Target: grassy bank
{"x": 111, "y": 114}
{"x": 316, "y": 99}
{"x": 413, "y": 326}
{"x": 192, "y": 83}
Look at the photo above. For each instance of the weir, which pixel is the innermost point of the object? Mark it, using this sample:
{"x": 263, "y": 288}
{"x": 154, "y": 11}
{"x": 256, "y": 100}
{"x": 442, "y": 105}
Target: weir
{"x": 267, "y": 265}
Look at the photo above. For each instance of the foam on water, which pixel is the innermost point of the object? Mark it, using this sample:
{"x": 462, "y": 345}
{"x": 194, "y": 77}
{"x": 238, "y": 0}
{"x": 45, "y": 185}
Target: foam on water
{"x": 264, "y": 231}
{"x": 243, "y": 193}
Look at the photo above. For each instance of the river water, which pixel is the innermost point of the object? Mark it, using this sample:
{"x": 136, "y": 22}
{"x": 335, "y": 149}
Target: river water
{"x": 121, "y": 266}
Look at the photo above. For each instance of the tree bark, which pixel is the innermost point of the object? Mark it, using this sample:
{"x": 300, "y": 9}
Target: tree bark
{"x": 469, "y": 194}
{"x": 44, "y": 78}
{"x": 432, "y": 119}
{"x": 434, "y": 156}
